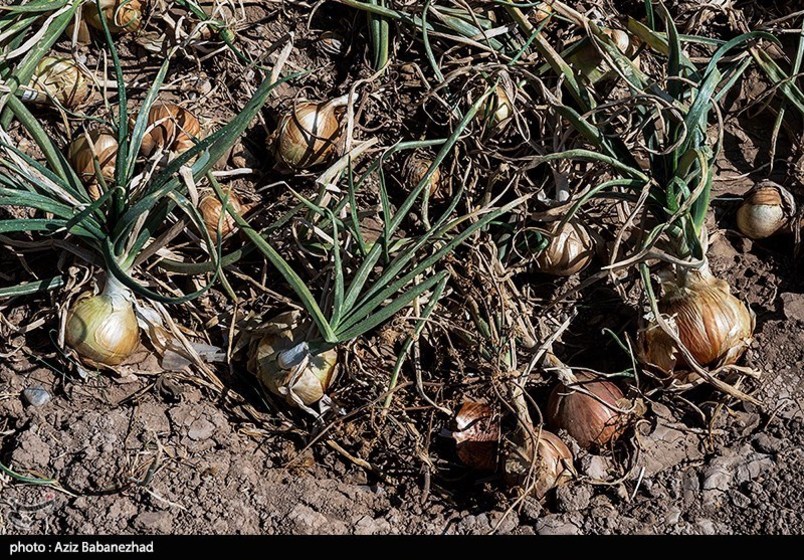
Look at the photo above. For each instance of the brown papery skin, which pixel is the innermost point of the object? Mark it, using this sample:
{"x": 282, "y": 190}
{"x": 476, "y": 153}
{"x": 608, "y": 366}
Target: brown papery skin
{"x": 171, "y": 128}
{"x": 82, "y": 155}
{"x": 764, "y": 211}
{"x": 569, "y": 251}
{"x": 308, "y": 135}
{"x": 587, "y": 419}
{"x": 549, "y": 470}
{"x": 120, "y": 15}
{"x": 477, "y": 436}
{"x": 211, "y": 207}
{"x": 715, "y": 326}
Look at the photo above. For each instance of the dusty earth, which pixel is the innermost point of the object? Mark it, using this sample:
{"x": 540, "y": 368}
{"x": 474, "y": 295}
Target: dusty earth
{"x": 165, "y": 454}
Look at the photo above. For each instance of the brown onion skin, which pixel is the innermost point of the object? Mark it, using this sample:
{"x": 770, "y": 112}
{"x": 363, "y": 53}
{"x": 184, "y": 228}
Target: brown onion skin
{"x": 589, "y": 421}
{"x": 715, "y": 326}
{"x": 477, "y": 436}
{"x": 552, "y": 468}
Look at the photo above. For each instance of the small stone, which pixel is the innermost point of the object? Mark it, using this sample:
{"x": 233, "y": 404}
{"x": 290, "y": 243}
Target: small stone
{"x": 153, "y": 522}
{"x": 755, "y": 466}
{"x": 36, "y": 396}
{"x": 673, "y": 516}
{"x": 557, "y": 525}
{"x": 793, "y": 306}
{"x": 573, "y": 497}
{"x": 705, "y": 527}
{"x": 740, "y": 500}
{"x": 201, "y": 429}
{"x": 531, "y": 510}
{"x": 768, "y": 444}
{"x": 370, "y": 526}
{"x": 595, "y": 467}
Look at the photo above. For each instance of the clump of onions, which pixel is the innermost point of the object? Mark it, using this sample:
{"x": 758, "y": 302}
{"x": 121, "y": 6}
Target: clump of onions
{"x": 589, "y": 411}
{"x": 120, "y": 15}
{"x": 570, "y": 250}
{"x": 103, "y": 328}
{"x": 415, "y": 169}
{"x": 171, "y": 128}
{"x": 713, "y": 325}
{"x": 62, "y": 79}
{"x": 477, "y": 436}
{"x": 766, "y": 209}
{"x": 283, "y": 363}
{"x": 96, "y": 145}
{"x": 550, "y": 467}
{"x": 309, "y": 134}
{"x": 211, "y": 209}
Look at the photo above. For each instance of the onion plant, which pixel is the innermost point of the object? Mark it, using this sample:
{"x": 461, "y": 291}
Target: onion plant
{"x": 124, "y": 224}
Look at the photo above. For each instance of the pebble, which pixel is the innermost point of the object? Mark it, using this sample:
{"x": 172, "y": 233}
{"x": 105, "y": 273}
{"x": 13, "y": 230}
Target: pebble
{"x": 36, "y": 396}
{"x": 556, "y": 525}
{"x": 573, "y": 497}
{"x": 793, "y": 306}
{"x": 768, "y": 444}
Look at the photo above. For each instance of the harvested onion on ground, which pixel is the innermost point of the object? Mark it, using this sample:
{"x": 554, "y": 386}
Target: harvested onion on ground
{"x": 713, "y": 325}
{"x": 309, "y": 135}
{"x": 766, "y": 209}
{"x": 570, "y": 250}
{"x": 103, "y": 328}
{"x": 282, "y": 361}
{"x": 591, "y": 411}
{"x": 551, "y": 466}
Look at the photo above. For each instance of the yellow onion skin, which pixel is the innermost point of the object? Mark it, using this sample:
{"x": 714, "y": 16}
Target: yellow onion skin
{"x": 317, "y": 375}
{"x": 715, "y": 326}
{"x": 62, "y": 79}
{"x": 82, "y": 155}
{"x": 415, "y": 169}
{"x": 477, "y": 436}
{"x": 120, "y": 15}
{"x": 570, "y": 250}
{"x": 765, "y": 210}
{"x": 551, "y": 469}
{"x": 589, "y": 61}
{"x": 499, "y": 109}
{"x": 103, "y": 328}
{"x": 171, "y": 128}
{"x": 211, "y": 209}
{"x": 593, "y": 422}
{"x": 309, "y": 135}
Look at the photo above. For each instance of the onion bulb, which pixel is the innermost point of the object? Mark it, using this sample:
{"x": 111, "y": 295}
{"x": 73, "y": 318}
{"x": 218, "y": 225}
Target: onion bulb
{"x": 569, "y": 251}
{"x": 95, "y": 145}
{"x": 59, "y": 78}
{"x": 309, "y": 135}
{"x": 713, "y": 325}
{"x": 211, "y": 209}
{"x": 103, "y": 328}
{"x": 589, "y": 411}
{"x": 477, "y": 435}
{"x": 415, "y": 169}
{"x": 120, "y": 15}
{"x": 552, "y": 466}
{"x": 765, "y": 209}
{"x": 499, "y": 109}
{"x": 332, "y": 43}
{"x": 282, "y": 361}
{"x": 171, "y": 129}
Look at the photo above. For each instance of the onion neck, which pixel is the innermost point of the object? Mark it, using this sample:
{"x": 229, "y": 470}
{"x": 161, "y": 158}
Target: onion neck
{"x": 116, "y": 291}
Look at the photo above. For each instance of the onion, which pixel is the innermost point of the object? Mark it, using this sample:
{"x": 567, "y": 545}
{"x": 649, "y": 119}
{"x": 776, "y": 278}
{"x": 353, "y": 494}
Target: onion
{"x": 282, "y": 361}
{"x": 103, "y": 328}
{"x": 569, "y": 251}
{"x": 120, "y": 15}
{"x": 95, "y": 145}
{"x": 713, "y": 325}
{"x": 170, "y": 128}
{"x": 211, "y": 209}
{"x": 593, "y": 419}
{"x": 552, "y": 466}
{"x": 477, "y": 436}
{"x": 766, "y": 209}
{"x": 415, "y": 169}
{"x": 309, "y": 135}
